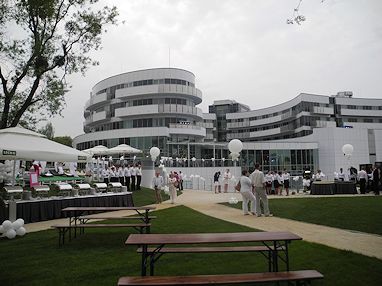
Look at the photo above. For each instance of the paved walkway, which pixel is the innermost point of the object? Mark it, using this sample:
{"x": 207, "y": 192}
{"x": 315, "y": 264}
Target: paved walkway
{"x": 208, "y": 203}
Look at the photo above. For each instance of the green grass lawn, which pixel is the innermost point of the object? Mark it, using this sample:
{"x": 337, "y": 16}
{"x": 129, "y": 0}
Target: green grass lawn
{"x": 354, "y": 213}
{"x": 99, "y": 257}
{"x": 147, "y": 197}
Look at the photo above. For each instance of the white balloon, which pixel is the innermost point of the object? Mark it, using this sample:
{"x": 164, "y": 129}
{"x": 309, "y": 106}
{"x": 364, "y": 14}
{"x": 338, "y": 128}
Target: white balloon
{"x": 193, "y": 159}
{"x": 235, "y": 146}
{"x": 16, "y": 225}
{"x": 11, "y": 233}
{"x": 7, "y": 225}
{"x": 21, "y": 231}
{"x": 154, "y": 151}
{"x": 347, "y": 149}
{"x": 21, "y": 221}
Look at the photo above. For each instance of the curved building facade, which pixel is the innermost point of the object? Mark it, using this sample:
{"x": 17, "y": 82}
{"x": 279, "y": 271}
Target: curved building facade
{"x": 143, "y": 109}
{"x": 158, "y": 107}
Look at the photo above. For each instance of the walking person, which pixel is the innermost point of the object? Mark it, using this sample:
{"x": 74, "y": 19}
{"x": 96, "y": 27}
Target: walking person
{"x": 286, "y": 178}
{"x": 172, "y": 187}
{"x": 258, "y": 183}
{"x": 139, "y": 175}
{"x": 362, "y": 178}
{"x": 157, "y": 184}
{"x": 246, "y": 193}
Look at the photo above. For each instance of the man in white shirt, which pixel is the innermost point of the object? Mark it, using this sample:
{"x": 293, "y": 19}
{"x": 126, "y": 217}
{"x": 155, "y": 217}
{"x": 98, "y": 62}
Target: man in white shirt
{"x": 258, "y": 183}
{"x": 341, "y": 175}
{"x": 362, "y": 178}
{"x": 127, "y": 176}
{"x": 319, "y": 176}
{"x": 133, "y": 172}
{"x": 181, "y": 181}
{"x": 139, "y": 176}
{"x": 121, "y": 175}
{"x": 157, "y": 185}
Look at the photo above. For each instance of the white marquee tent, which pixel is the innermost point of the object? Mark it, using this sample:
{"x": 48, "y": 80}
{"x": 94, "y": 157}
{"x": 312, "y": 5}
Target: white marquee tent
{"x": 17, "y": 143}
{"x": 123, "y": 149}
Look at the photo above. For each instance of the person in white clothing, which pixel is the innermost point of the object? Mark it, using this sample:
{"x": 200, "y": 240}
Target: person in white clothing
{"x": 133, "y": 172}
{"x": 268, "y": 182}
{"x": 138, "y": 175}
{"x": 105, "y": 175}
{"x": 127, "y": 176}
{"x": 362, "y": 178}
{"x": 157, "y": 185}
{"x": 278, "y": 183}
{"x": 319, "y": 176}
{"x": 286, "y": 178}
{"x": 226, "y": 177}
{"x": 246, "y": 193}
{"x": 121, "y": 175}
{"x": 341, "y": 175}
{"x": 171, "y": 185}
{"x": 258, "y": 183}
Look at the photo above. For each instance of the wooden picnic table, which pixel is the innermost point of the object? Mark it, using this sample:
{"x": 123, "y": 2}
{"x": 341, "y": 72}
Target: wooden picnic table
{"x": 275, "y": 242}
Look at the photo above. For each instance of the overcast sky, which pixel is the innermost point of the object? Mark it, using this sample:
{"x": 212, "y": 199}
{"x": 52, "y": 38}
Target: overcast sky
{"x": 241, "y": 50}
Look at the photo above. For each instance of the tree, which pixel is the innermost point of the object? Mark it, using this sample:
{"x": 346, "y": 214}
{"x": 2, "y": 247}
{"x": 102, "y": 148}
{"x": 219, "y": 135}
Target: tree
{"x": 66, "y": 140}
{"x": 41, "y": 42}
{"x": 48, "y": 131}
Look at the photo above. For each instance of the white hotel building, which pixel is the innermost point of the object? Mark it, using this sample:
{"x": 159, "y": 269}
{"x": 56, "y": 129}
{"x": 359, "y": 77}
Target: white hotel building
{"x": 158, "y": 107}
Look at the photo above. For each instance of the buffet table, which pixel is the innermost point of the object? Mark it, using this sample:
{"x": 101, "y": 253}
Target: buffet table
{"x": 50, "y": 208}
{"x": 333, "y": 188}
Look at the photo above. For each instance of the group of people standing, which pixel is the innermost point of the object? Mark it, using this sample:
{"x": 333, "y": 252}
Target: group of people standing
{"x": 129, "y": 175}
{"x": 252, "y": 187}
{"x": 275, "y": 181}
{"x": 174, "y": 182}
{"x": 220, "y": 180}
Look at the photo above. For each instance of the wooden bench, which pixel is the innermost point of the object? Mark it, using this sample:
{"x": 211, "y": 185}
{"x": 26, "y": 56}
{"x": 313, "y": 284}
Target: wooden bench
{"x": 85, "y": 218}
{"x": 265, "y": 250}
{"x": 301, "y": 277}
{"x": 63, "y": 229}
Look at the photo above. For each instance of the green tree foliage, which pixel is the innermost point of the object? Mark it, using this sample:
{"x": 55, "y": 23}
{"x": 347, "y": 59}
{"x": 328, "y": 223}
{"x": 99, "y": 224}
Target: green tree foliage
{"x": 66, "y": 140}
{"x": 48, "y": 130}
{"x": 41, "y": 42}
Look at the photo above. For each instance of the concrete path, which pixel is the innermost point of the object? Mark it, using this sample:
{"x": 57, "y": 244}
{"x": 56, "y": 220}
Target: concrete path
{"x": 208, "y": 204}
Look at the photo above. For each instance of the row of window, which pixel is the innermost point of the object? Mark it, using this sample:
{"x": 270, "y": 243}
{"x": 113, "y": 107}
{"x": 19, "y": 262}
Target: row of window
{"x": 363, "y": 107}
{"x": 365, "y": 120}
{"x": 147, "y": 122}
{"x": 147, "y": 82}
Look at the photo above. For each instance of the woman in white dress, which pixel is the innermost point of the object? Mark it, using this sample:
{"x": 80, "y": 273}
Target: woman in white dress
{"x": 246, "y": 193}
{"x": 172, "y": 181}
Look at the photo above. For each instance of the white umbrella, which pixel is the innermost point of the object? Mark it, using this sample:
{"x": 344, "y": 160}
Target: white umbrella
{"x": 19, "y": 143}
{"x": 96, "y": 150}
{"x": 123, "y": 149}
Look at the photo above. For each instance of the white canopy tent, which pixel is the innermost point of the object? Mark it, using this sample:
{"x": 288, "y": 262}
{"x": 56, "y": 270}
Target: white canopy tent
{"x": 17, "y": 143}
{"x": 123, "y": 149}
{"x": 96, "y": 150}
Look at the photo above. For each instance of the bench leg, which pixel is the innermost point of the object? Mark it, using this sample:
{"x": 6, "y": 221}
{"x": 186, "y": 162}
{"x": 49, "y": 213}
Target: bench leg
{"x": 144, "y": 260}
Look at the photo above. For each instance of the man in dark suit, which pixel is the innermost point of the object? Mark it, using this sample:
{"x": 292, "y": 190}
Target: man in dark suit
{"x": 376, "y": 180}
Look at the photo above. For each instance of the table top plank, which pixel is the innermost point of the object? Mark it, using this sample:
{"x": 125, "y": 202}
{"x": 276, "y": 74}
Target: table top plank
{"x": 70, "y": 209}
{"x": 197, "y": 238}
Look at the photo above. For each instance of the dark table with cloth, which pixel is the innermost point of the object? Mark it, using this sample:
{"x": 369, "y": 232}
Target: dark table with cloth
{"x": 47, "y": 209}
{"x": 345, "y": 188}
{"x": 322, "y": 188}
